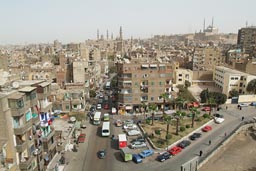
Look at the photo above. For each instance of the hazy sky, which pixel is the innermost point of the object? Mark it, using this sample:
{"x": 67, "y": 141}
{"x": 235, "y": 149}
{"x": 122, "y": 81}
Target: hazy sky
{"x": 35, "y": 21}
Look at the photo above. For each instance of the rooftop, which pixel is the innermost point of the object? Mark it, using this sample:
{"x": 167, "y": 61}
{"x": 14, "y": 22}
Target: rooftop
{"x": 27, "y": 89}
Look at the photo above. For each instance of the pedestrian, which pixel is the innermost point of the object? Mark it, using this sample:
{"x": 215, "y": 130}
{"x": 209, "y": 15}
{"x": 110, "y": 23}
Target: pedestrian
{"x": 210, "y": 142}
{"x": 242, "y": 118}
{"x": 240, "y": 108}
{"x": 225, "y": 134}
{"x": 200, "y": 153}
{"x": 226, "y": 107}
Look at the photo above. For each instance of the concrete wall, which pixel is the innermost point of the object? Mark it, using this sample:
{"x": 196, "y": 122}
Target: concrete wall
{"x": 202, "y": 75}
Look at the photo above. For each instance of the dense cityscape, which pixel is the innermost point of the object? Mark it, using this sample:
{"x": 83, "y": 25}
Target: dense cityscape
{"x": 167, "y": 102}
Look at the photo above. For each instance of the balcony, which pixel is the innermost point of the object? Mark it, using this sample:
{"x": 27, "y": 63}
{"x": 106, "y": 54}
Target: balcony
{"x": 21, "y": 147}
{"x": 43, "y": 95}
{"x": 35, "y": 118}
{"x": 18, "y": 111}
{"x": 33, "y": 102}
{"x": 47, "y": 137}
{"x": 22, "y": 129}
{"x": 50, "y": 146}
{"x": 26, "y": 164}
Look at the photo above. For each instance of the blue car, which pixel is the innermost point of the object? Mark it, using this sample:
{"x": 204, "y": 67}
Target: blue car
{"x": 146, "y": 153}
{"x": 136, "y": 158}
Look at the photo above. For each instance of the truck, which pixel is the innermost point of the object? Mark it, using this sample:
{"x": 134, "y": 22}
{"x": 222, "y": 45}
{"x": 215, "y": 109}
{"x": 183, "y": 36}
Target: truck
{"x": 122, "y": 141}
{"x": 96, "y": 118}
{"x": 126, "y": 154}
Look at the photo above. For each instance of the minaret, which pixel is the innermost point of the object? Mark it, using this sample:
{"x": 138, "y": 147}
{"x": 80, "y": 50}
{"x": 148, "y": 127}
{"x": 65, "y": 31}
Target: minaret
{"x": 107, "y": 34}
{"x": 212, "y": 23}
{"x": 98, "y": 34}
{"x": 121, "y": 33}
{"x": 112, "y": 37}
{"x": 204, "y": 25}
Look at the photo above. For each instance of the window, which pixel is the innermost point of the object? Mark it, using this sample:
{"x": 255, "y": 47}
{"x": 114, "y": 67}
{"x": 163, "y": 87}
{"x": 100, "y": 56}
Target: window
{"x": 160, "y": 83}
{"x": 67, "y": 107}
{"x": 152, "y": 98}
{"x": 236, "y": 78}
{"x": 20, "y": 103}
{"x": 232, "y": 78}
{"x": 180, "y": 75}
{"x": 180, "y": 79}
{"x": 152, "y": 83}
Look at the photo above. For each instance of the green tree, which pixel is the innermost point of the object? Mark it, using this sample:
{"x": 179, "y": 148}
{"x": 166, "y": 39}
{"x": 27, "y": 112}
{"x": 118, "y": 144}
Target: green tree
{"x": 152, "y": 108}
{"x": 144, "y": 106}
{"x": 194, "y": 112}
{"x": 187, "y": 84}
{"x": 251, "y": 87}
{"x": 218, "y": 97}
{"x": 233, "y": 93}
{"x": 165, "y": 97}
{"x": 178, "y": 115}
{"x": 92, "y": 93}
{"x": 211, "y": 102}
{"x": 204, "y": 95}
{"x": 179, "y": 101}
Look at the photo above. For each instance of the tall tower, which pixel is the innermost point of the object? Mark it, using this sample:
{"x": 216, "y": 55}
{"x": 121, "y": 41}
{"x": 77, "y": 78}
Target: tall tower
{"x": 98, "y": 34}
{"x": 107, "y": 34}
{"x": 112, "y": 37}
{"x": 204, "y": 25}
{"x": 212, "y": 22}
{"x": 121, "y": 33}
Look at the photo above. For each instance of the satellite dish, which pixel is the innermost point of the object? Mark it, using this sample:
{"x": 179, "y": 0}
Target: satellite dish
{"x": 72, "y": 119}
{"x": 15, "y": 84}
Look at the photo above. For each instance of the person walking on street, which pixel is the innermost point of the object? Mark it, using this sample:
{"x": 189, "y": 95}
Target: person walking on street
{"x": 210, "y": 142}
{"x": 200, "y": 153}
{"x": 226, "y": 107}
{"x": 242, "y": 118}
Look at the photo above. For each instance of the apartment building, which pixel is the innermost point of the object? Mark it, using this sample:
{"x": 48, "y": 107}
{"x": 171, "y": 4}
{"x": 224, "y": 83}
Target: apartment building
{"x": 182, "y": 75}
{"x": 26, "y": 116}
{"x": 205, "y": 58}
{"x": 143, "y": 82}
{"x": 228, "y": 79}
{"x": 246, "y": 39}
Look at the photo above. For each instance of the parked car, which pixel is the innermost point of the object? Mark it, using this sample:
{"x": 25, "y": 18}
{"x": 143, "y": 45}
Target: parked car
{"x": 129, "y": 121}
{"x": 119, "y": 123}
{"x": 136, "y": 158}
{"x": 218, "y": 118}
{"x": 253, "y": 104}
{"x": 164, "y": 156}
{"x": 175, "y": 150}
{"x": 195, "y": 136}
{"x": 206, "y": 108}
{"x": 101, "y": 154}
{"x": 133, "y": 132}
{"x": 140, "y": 138}
{"x": 138, "y": 144}
{"x": 92, "y": 109}
{"x": 98, "y": 106}
{"x": 106, "y": 106}
{"x": 146, "y": 153}
{"x": 207, "y": 128}
{"x": 243, "y": 105}
{"x": 113, "y": 110}
{"x": 184, "y": 144}
{"x": 81, "y": 138}
{"x": 130, "y": 126}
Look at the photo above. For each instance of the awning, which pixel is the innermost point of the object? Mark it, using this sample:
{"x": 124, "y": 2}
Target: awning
{"x": 128, "y": 107}
{"x": 127, "y": 81}
{"x": 162, "y": 65}
{"x": 153, "y": 65}
{"x": 144, "y": 65}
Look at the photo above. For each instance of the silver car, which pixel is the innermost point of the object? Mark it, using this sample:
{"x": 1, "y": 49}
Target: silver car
{"x": 138, "y": 144}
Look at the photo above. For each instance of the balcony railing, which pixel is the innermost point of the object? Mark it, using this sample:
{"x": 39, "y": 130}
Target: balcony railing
{"x": 48, "y": 136}
{"x": 22, "y": 129}
{"x": 18, "y": 111}
{"x": 21, "y": 147}
{"x": 26, "y": 164}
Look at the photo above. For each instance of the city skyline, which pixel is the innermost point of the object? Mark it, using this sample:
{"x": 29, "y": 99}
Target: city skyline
{"x": 68, "y": 21}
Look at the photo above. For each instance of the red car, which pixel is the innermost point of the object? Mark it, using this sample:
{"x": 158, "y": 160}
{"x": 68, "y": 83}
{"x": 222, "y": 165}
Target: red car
{"x": 106, "y": 106}
{"x": 206, "y": 128}
{"x": 175, "y": 150}
{"x": 206, "y": 109}
{"x": 81, "y": 138}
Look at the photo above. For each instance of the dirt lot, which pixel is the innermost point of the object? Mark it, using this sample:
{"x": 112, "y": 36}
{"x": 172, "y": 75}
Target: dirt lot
{"x": 196, "y": 90}
{"x": 238, "y": 155}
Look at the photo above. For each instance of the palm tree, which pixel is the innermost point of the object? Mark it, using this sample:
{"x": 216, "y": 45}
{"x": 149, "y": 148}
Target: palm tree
{"x": 144, "y": 106}
{"x": 194, "y": 112}
{"x": 251, "y": 86}
{"x": 178, "y": 115}
{"x": 211, "y": 101}
{"x": 165, "y": 97}
{"x": 180, "y": 102}
{"x": 152, "y": 108}
{"x": 167, "y": 120}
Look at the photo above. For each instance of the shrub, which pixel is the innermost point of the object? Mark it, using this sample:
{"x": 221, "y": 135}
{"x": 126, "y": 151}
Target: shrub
{"x": 158, "y": 131}
{"x": 148, "y": 121}
{"x": 169, "y": 136}
{"x": 182, "y": 128}
{"x": 206, "y": 115}
{"x": 187, "y": 126}
{"x": 160, "y": 142}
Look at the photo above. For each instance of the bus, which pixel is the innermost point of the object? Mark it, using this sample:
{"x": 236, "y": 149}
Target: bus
{"x": 107, "y": 86}
{"x": 96, "y": 118}
{"x": 105, "y": 132}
